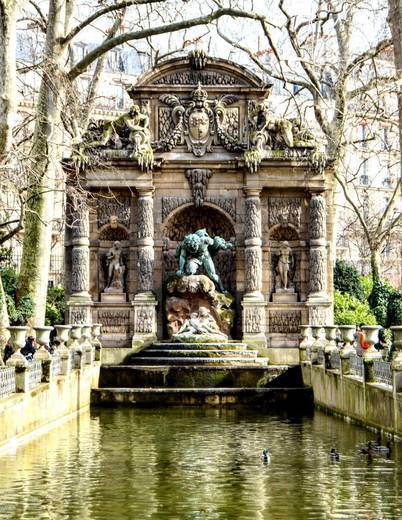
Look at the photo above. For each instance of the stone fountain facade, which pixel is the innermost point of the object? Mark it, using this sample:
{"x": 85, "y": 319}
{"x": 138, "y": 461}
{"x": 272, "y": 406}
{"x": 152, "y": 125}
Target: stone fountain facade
{"x": 201, "y": 148}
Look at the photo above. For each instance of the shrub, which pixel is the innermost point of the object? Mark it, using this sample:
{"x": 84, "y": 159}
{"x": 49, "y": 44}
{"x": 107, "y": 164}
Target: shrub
{"x": 55, "y": 305}
{"x": 348, "y": 280}
{"x": 386, "y": 303}
{"x": 18, "y": 313}
{"x": 348, "y": 310}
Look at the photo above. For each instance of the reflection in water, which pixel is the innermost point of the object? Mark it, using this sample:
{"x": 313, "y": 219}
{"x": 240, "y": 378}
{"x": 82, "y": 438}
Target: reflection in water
{"x": 179, "y": 464}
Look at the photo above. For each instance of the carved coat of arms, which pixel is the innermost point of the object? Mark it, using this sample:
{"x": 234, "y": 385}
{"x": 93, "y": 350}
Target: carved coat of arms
{"x": 198, "y": 122}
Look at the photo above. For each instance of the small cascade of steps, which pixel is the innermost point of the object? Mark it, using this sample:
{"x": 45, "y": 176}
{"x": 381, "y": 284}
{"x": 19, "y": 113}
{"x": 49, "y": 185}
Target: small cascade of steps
{"x": 196, "y": 374}
{"x": 166, "y": 353}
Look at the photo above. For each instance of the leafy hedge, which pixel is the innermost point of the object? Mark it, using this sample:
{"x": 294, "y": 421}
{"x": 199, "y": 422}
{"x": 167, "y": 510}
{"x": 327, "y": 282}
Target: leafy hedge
{"x": 386, "y": 303}
{"x": 55, "y": 305}
{"x": 348, "y": 310}
{"x": 348, "y": 280}
{"x": 18, "y": 313}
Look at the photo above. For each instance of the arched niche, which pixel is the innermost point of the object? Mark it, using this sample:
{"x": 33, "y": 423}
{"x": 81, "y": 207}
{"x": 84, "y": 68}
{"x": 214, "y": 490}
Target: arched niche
{"x": 278, "y": 234}
{"x": 187, "y": 219}
{"x": 109, "y": 233}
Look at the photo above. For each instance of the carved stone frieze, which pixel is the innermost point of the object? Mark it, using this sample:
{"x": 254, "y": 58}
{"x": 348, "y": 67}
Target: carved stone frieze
{"x": 169, "y": 204}
{"x": 114, "y": 321}
{"x": 79, "y": 269}
{"x": 78, "y": 315}
{"x": 113, "y": 234}
{"x": 318, "y": 216}
{"x": 318, "y": 270}
{"x": 281, "y": 322}
{"x": 253, "y": 320}
{"x": 143, "y": 320}
{"x": 145, "y": 217}
{"x": 198, "y": 179}
{"x": 319, "y": 316}
{"x": 194, "y": 77}
{"x": 227, "y": 204}
{"x": 166, "y": 125}
{"x": 253, "y": 269}
{"x": 284, "y": 211}
{"x": 145, "y": 267}
{"x": 253, "y": 218}
{"x": 117, "y": 206}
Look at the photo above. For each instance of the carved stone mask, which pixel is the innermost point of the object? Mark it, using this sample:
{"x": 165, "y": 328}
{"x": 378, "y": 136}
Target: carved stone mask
{"x": 113, "y": 221}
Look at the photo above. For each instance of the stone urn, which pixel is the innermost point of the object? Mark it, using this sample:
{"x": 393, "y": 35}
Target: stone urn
{"x": 370, "y": 354}
{"x": 17, "y": 338}
{"x": 330, "y": 346}
{"x": 96, "y": 330}
{"x": 76, "y": 346}
{"x": 86, "y": 343}
{"x": 305, "y": 343}
{"x": 348, "y": 338}
{"x": 63, "y": 335}
{"x": 397, "y": 361}
{"x": 317, "y": 343}
{"x": 371, "y": 337}
{"x": 42, "y": 335}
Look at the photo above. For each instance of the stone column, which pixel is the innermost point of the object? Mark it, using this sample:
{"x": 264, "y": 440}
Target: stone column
{"x": 253, "y": 302}
{"x": 144, "y": 302}
{"x": 80, "y": 301}
{"x": 318, "y": 298}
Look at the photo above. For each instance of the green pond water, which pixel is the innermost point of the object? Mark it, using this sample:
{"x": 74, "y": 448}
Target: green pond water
{"x": 181, "y": 463}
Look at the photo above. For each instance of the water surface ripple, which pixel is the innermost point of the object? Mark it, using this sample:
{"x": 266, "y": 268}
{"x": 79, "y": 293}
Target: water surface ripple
{"x": 180, "y": 463}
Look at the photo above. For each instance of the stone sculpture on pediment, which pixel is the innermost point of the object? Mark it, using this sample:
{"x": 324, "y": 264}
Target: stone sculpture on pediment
{"x": 269, "y": 132}
{"x": 128, "y": 131}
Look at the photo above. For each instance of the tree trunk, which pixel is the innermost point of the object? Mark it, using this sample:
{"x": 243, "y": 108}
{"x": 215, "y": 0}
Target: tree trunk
{"x": 375, "y": 262}
{"x": 44, "y": 169}
{"x": 8, "y": 17}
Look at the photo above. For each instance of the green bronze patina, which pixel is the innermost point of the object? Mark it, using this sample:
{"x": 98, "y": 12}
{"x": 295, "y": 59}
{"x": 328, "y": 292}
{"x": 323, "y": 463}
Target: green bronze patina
{"x": 196, "y": 250}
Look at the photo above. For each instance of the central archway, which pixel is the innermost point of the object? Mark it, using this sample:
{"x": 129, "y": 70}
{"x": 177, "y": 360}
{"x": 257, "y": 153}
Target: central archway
{"x": 188, "y": 219}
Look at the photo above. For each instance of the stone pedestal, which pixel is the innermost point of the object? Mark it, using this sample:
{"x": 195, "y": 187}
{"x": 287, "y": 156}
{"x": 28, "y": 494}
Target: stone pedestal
{"x": 111, "y": 295}
{"x": 253, "y": 321}
{"x": 144, "y": 318}
{"x": 284, "y": 296}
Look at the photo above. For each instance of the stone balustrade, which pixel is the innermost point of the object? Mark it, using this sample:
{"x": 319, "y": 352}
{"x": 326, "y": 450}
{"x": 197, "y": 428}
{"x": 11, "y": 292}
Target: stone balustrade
{"x": 354, "y": 382}
{"x": 338, "y": 351}
{"x": 72, "y": 350}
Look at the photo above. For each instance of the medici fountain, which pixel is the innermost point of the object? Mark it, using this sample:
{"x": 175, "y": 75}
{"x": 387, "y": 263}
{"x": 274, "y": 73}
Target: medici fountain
{"x": 206, "y": 221}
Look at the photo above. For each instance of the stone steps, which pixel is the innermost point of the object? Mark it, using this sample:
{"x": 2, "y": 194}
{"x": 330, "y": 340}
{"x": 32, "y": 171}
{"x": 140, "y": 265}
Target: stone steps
{"x": 192, "y": 376}
{"x": 168, "y": 345}
{"x": 296, "y": 398}
{"x": 160, "y": 353}
{"x": 199, "y": 361}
